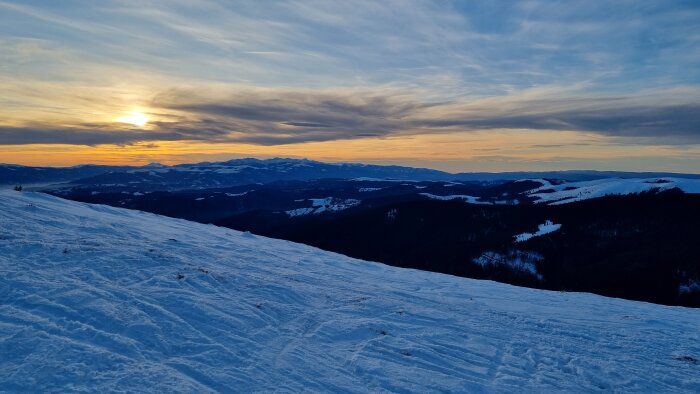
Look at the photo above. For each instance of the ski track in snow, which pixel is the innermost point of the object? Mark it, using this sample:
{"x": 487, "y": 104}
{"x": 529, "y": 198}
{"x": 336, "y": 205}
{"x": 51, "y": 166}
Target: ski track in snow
{"x": 90, "y": 300}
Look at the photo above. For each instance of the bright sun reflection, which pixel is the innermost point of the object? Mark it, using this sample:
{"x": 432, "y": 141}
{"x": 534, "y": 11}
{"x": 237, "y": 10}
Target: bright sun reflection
{"x": 134, "y": 118}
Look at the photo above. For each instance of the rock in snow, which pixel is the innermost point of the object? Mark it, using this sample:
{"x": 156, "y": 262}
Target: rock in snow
{"x": 98, "y": 299}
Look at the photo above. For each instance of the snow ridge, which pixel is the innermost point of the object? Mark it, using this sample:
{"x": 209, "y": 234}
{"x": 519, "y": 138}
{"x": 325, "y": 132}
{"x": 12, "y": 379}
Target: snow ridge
{"x": 568, "y": 192}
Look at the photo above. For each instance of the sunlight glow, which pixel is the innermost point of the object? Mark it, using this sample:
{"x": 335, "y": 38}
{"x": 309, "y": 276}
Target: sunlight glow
{"x": 134, "y": 118}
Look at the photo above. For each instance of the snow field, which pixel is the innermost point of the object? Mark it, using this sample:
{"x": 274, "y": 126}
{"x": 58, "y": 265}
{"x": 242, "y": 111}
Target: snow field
{"x": 102, "y": 299}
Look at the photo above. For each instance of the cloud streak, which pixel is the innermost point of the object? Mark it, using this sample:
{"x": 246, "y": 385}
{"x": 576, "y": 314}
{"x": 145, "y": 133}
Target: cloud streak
{"x": 49, "y": 134}
{"x": 502, "y": 76}
{"x": 284, "y": 116}
{"x": 276, "y": 117}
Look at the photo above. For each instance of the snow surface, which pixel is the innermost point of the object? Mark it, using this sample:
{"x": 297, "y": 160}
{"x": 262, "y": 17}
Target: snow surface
{"x": 370, "y": 179}
{"x": 544, "y": 182}
{"x": 463, "y": 197}
{"x": 577, "y": 191}
{"x": 102, "y": 299}
{"x": 321, "y": 205}
{"x": 547, "y": 227}
{"x": 238, "y": 194}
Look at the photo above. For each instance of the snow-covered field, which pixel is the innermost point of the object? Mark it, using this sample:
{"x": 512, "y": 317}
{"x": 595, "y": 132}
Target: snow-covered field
{"x": 568, "y": 192}
{"x": 542, "y": 229}
{"x": 465, "y": 198}
{"x": 101, "y": 299}
{"x": 321, "y": 205}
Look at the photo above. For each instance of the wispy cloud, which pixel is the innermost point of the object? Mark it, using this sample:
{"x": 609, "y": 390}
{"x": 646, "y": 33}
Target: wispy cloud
{"x": 95, "y": 135}
{"x": 489, "y": 48}
{"x": 278, "y": 116}
{"x": 285, "y": 116}
{"x": 286, "y": 72}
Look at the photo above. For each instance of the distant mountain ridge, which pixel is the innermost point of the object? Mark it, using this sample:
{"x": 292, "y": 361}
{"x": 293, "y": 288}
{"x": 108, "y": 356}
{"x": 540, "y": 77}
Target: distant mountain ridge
{"x": 156, "y": 176}
{"x": 17, "y": 174}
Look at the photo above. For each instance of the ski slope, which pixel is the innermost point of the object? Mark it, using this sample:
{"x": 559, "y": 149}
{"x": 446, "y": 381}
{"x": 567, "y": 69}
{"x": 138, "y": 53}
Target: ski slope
{"x": 102, "y": 299}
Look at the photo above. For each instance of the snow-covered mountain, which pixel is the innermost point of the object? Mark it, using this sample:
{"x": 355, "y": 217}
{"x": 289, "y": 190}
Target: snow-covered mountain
{"x": 95, "y": 298}
{"x": 250, "y": 171}
{"x": 156, "y": 176}
{"x": 567, "y": 192}
{"x": 16, "y": 174}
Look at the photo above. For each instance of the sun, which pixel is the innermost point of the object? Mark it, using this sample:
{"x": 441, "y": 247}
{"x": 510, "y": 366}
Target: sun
{"x": 134, "y": 118}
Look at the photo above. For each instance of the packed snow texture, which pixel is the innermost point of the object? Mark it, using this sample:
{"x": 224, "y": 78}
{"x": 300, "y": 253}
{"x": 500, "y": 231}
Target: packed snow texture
{"x": 102, "y": 299}
{"x": 547, "y": 227}
{"x": 577, "y": 191}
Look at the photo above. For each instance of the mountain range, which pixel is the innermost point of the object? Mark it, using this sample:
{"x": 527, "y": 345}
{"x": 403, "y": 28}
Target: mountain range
{"x": 238, "y": 172}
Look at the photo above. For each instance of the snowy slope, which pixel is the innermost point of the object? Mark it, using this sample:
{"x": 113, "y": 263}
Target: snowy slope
{"x": 577, "y": 191}
{"x": 98, "y": 299}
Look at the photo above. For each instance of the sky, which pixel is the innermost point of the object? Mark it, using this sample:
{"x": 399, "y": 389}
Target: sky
{"x": 452, "y": 85}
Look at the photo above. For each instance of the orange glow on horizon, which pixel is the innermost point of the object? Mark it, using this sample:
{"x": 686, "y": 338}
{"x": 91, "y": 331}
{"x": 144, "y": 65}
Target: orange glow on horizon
{"x": 493, "y": 150}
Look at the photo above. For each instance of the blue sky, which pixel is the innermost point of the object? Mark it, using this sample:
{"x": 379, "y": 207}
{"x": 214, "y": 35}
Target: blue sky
{"x": 312, "y": 77}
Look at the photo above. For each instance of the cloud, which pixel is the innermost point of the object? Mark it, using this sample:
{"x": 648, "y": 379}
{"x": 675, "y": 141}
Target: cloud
{"x": 621, "y": 120}
{"x": 278, "y": 116}
{"x": 476, "y": 46}
{"x": 306, "y": 124}
{"x": 285, "y": 116}
{"x": 47, "y": 134}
